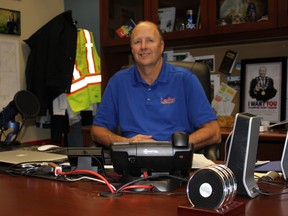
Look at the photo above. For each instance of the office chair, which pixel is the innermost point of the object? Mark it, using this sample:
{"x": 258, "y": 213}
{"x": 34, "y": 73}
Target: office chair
{"x": 202, "y": 71}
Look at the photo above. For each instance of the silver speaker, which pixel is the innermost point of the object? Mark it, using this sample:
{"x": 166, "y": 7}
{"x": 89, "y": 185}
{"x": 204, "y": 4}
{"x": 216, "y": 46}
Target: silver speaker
{"x": 242, "y": 153}
{"x": 212, "y": 187}
{"x": 284, "y": 159}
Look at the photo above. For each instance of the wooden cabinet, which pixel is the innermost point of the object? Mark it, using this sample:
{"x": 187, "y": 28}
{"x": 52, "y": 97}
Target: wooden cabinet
{"x": 282, "y": 13}
{"x": 200, "y": 19}
{"x": 116, "y": 13}
{"x": 226, "y": 19}
{"x": 115, "y": 51}
{"x": 208, "y": 30}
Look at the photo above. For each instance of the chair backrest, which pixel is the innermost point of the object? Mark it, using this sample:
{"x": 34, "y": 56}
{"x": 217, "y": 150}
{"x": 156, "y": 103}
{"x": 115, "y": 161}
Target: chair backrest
{"x": 201, "y": 70}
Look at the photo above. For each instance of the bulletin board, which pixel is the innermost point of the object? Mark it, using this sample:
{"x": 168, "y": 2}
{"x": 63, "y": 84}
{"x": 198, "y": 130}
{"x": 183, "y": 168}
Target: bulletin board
{"x": 9, "y": 71}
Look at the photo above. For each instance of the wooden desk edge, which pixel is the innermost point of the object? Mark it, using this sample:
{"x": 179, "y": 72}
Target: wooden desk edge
{"x": 271, "y": 135}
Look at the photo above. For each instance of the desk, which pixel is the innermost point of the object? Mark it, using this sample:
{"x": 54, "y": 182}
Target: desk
{"x": 270, "y": 145}
{"x": 272, "y": 139}
{"x": 23, "y": 196}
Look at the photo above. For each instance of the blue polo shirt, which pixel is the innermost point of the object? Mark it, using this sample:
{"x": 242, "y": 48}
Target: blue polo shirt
{"x": 176, "y": 101}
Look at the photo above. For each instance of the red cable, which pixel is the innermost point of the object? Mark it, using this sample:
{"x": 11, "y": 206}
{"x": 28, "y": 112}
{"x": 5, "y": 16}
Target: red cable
{"x": 92, "y": 173}
{"x": 138, "y": 186}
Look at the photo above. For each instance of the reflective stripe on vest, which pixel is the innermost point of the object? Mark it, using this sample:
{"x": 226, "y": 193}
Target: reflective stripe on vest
{"x": 86, "y": 84}
{"x": 82, "y": 82}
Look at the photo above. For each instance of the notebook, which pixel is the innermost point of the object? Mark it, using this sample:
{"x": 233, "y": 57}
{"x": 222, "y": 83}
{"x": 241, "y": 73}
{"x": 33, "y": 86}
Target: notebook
{"x": 23, "y": 156}
{"x": 269, "y": 166}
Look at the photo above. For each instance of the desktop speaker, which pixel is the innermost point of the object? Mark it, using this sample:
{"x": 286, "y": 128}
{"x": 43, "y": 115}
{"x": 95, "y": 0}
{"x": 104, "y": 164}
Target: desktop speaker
{"x": 212, "y": 187}
{"x": 284, "y": 159}
{"x": 242, "y": 153}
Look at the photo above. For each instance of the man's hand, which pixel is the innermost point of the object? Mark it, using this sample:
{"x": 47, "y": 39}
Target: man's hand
{"x": 258, "y": 87}
{"x": 141, "y": 137}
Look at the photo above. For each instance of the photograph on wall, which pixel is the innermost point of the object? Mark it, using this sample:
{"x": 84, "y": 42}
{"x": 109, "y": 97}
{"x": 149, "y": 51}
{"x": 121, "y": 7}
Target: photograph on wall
{"x": 209, "y": 60}
{"x": 183, "y": 56}
{"x": 234, "y": 82}
{"x": 10, "y": 22}
{"x": 263, "y": 87}
{"x": 241, "y": 11}
{"x": 215, "y": 84}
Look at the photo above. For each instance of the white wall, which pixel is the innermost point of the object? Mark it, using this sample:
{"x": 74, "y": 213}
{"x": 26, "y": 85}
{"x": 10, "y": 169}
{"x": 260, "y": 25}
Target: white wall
{"x": 34, "y": 14}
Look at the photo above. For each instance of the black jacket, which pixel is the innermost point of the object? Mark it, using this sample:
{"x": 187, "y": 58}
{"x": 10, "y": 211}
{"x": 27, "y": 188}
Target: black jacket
{"x": 50, "y": 63}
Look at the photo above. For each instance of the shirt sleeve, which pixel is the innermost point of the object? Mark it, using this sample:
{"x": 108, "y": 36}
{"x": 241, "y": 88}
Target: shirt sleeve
{"x": 200, "y": 110}
{"x": 106, "y": 115}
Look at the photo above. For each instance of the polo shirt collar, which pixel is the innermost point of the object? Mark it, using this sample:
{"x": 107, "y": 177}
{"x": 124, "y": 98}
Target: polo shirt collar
{"x": 162, "y": 78}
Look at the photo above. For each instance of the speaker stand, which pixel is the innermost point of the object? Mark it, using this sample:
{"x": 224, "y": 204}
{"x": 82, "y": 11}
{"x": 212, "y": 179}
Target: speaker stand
{"x": 235, "y": 208}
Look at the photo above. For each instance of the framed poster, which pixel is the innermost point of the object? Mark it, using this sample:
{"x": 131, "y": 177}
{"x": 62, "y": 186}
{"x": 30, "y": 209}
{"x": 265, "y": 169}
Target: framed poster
{"x": 263, "y": 88}
{"x": 10, "y": 22}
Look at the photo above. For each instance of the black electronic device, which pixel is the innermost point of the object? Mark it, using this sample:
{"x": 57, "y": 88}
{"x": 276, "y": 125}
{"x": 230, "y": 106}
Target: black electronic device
{"x": 86, "y": 158}
{"x": 212, "y": 187}
{"x": 132, "y": 159}
{"x": 228, "y": 62}
{"x": 24, "y": 103}
{"x": 242, "y": 153}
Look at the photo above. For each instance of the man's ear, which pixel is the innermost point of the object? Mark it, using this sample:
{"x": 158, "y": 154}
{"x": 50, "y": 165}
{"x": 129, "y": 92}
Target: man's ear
{"x": 162, "y": 45}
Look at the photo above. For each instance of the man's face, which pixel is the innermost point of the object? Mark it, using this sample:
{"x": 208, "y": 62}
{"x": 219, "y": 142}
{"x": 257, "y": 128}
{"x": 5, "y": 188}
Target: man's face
{"x": 262, "y": 72}
{"x": 146, "y": 44}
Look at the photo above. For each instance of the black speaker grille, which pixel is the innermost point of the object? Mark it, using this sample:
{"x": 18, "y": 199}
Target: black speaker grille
{"x": 27, "y": 104}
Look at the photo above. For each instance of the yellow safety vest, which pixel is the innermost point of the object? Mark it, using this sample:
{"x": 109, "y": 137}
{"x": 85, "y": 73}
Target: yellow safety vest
{"x": 86, "y": 83}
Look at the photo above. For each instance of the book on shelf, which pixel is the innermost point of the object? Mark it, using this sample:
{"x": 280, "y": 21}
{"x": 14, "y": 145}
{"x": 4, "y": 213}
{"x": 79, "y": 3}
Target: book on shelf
{"x": 126, "y": 29}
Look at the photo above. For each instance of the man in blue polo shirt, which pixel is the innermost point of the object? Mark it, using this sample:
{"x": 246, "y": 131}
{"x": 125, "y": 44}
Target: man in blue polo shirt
{"x": 153, "y": 99}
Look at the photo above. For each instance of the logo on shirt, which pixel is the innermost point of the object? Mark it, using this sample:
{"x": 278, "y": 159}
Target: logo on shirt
{"x": 167, "y": 100}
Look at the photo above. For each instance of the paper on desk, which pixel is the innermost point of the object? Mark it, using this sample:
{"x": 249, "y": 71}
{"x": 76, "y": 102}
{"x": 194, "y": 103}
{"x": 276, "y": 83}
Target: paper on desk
{"x": 259, "y": 163}
{"x": 224, "y": 108}
{"x": 200, "y": 161}
{"x": 270, "y": 166}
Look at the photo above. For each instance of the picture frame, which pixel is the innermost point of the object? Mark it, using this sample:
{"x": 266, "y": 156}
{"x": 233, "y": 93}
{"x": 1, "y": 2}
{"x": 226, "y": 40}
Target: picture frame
{"x": 264, "y": 97}
{"x": 237, "y": 12}
{"x": 207, "y": 59}
{"x": 182, "y": 56}
{"x": 10, "y": 22}
{"x": 166, "y": 19}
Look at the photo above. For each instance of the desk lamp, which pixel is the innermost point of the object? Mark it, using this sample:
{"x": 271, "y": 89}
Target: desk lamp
{"x": 24, "y": 103}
